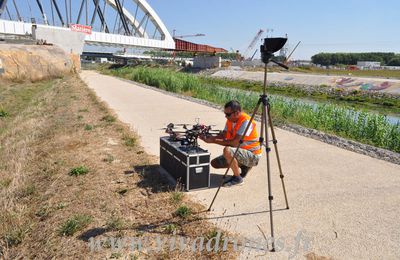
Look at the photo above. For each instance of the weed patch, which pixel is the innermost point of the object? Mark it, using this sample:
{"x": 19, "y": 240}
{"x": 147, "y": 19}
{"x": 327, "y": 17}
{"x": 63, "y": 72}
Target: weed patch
{"x": 129, "y": 141}
{"x": 3, "y": 113}
{"x": 74, "y": 224}
{"x": 27, "y": 191}
{"x": 16, "y": 236}
{"x": 114, "y": 223}
{"x": 183, "y": 211}
{"x": 88, "y": 127}
{"x": 5, "y": 183}
{"x": 81, "y": 170}
{"x": 109, "y": 158}
{"x": 170, "y": 228}
{"x": 108, "y": 119}
{"x": 176, "y": 197}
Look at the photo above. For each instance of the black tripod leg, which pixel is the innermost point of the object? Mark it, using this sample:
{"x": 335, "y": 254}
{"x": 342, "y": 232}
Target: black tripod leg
{"x": 270, "y": 197}
{"x": 234, "y": 155}
{"x": 275, "y": 142}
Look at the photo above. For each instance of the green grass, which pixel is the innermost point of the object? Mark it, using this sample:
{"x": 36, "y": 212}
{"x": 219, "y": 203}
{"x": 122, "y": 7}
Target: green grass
{"x": 43, "y": 212}
{"x": 114, "y": 223}
{"x": 61, "y": 205}
{"x": 5, "y": 183}
{"x": 170, "y": 228}
{"x": 213, "y": 235}
{"x": 183, "y": 211}
{"x": 4, "y": 113}
{"x": 108, "y": 119}
{"x": 16, "y": 236}
{"x": 17, "y": 97}
{"x": 115, "y": 256}
{"x": 88, "y": 127}
{"x": 81, "y": 170}
{"x": 349, "y": 123}
{"x": 176, "y": 197}
{"x": 74, "y": 224}
{"x": 27, "y": 191}
{"x": 129, "y": 141}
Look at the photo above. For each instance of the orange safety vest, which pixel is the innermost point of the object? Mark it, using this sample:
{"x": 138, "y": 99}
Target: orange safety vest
{"x": 250, "y": 142}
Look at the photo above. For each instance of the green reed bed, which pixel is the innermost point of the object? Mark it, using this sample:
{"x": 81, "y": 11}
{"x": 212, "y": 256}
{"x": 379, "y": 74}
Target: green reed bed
{"x": 345, "y": 122}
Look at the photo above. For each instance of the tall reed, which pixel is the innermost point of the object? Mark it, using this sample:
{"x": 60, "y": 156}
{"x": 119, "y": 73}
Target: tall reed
{"x": 346, "y": 122}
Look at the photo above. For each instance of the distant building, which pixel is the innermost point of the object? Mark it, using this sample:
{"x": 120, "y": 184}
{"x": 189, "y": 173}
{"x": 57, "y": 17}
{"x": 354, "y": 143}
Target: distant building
{"x": 301, "y": 63}
{"x": 368, "y": 65}
{"x": 391, "y": 67}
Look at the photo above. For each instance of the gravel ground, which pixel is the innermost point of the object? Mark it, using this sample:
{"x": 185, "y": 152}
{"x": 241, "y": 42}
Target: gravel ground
{"x": 311, "y": 80}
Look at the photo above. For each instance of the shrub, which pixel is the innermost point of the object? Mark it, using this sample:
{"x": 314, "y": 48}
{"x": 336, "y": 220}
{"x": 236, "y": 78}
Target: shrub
{"x": 3, "y": 113}
{"x": 81, "y": 170}
{"x": 183, "y": 211}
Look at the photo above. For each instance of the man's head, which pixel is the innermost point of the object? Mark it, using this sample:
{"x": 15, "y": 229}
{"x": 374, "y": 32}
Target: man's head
{"x": 232, "y": 110}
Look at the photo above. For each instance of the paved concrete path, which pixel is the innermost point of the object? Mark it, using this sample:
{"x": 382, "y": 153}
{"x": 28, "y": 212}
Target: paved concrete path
{"x": 342, "y": 204}
{"x": 349, "y": 82}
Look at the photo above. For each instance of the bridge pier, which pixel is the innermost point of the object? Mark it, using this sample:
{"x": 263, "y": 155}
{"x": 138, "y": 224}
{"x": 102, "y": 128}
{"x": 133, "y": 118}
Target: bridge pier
{"x": 70, "y": 41}
{"x": 207, "y": 62}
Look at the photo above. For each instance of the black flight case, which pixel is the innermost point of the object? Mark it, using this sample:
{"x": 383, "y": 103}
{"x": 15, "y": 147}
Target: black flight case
{"x": 188, "y": 165}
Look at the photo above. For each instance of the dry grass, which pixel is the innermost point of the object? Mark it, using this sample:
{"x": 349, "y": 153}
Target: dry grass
{"x": 47, "y": 213}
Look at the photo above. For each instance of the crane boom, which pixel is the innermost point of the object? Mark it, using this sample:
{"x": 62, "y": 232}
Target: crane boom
{"x": 288, "y": 57}
{"x": 191, "y": 35}
{"x": 253, "y": 42}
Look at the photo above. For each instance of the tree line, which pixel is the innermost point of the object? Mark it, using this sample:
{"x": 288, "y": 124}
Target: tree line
{"x": 385, "y": 58}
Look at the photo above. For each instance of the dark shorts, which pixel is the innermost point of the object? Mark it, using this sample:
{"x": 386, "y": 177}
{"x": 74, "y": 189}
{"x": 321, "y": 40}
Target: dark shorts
{"x": 244, "y": 157}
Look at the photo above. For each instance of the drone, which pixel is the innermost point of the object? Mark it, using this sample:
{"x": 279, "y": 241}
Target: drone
{"x": 188, "y": 136}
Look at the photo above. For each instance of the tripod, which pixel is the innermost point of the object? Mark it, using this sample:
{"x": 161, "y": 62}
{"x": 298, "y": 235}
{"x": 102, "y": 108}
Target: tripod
{"x": 266, "y": 120}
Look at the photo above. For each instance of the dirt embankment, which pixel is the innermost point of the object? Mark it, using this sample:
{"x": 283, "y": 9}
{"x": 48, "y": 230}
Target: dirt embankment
{"x": 22, "y": 63}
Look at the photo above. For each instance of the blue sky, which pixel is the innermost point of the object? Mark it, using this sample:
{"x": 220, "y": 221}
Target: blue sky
{"x": 320, "y": 25}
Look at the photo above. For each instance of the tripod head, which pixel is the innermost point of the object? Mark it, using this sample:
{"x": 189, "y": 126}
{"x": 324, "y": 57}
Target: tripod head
{"x": 270, "y": 46}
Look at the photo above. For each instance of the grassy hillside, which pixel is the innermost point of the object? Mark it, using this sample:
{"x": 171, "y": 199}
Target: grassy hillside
{"x": 71, "y": 172}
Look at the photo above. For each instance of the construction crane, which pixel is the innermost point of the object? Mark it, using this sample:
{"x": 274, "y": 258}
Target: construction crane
{"x": 185, "y": 36}
{"x": 192, "y": 35}
{"x": 252, "y": 43}
{"x": 288, "y": 57}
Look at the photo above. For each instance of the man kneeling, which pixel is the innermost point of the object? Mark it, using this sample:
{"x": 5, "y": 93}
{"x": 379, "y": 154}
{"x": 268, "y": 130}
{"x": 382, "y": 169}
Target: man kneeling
{"x": 249, "y": 151}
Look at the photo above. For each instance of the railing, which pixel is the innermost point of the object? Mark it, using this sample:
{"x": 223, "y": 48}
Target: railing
{"x": 95, "y": 38}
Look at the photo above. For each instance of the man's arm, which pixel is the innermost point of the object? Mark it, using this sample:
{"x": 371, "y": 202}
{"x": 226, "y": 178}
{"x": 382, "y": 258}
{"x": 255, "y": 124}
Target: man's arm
{"x": 219, "y": 139}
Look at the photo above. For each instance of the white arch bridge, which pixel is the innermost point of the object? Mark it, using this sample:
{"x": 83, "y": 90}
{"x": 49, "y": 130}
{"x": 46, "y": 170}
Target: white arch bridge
{"x": 125, "y": 23}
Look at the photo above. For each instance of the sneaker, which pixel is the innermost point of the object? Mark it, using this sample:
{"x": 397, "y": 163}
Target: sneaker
{"x": 244, "y": 170}
{"x": 228, "y": 179}
{"x": 235, "y": 180}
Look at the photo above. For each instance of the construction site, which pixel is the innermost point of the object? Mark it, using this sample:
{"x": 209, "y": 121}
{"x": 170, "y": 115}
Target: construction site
{"x": 121, "y": 140}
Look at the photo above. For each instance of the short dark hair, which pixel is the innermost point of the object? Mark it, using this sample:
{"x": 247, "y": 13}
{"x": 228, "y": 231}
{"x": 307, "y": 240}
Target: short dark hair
{"x": 234, "y": 105}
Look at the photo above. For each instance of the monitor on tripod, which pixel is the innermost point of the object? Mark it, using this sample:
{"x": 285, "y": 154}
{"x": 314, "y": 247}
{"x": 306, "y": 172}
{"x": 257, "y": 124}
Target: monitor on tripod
{"x": 270, "y": 46}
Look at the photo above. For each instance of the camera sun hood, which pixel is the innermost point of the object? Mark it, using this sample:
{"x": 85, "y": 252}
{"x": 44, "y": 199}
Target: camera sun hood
{"x": 270, "y": 46}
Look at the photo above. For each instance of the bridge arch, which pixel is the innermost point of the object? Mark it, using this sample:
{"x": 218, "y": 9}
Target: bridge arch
{"x": 135, "y": 21}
